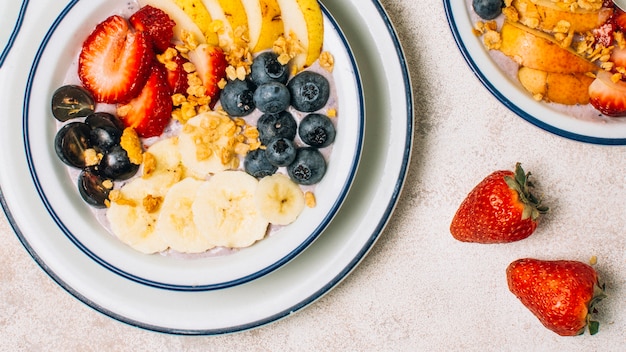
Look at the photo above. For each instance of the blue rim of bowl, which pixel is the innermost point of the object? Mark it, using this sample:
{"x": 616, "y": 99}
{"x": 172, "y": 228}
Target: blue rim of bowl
{"x": 177, "y": 287}
{"x": 16, "y": 29}
{"x": 373, "y": 237}
{"x": 508, "y": 103}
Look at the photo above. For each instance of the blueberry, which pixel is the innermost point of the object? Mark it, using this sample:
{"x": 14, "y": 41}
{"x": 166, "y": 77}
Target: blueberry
{"x": 266, "y": 68}
{"x": 317, "y": 130}
{"x": 116, "y": 165}
{"x": 281, "y": 152}
{"x": 237, "y": 98}
{"x": 272, "y": 97}
{"x": 488, "y": 9}
{"x": 257, "y": 165}
{"x": 281, "y": 125}
{"x": 309, "y": 91}
{"x": 308, "y": 168}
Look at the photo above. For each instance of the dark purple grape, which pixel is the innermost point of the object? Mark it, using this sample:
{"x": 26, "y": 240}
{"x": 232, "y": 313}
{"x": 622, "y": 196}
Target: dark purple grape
{"x": 116, "y": 165}
{"x": 71, "y": 142}
{"x": 106, "y": 130}
{"x": 69, "y": 102}
{"x": 93, "y": 188}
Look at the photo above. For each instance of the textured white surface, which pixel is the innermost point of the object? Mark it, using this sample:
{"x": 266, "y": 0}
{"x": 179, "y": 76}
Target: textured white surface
{"x": 418, "y": 289}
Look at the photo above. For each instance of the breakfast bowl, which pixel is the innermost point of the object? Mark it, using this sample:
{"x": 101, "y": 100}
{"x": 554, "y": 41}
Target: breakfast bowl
{"x": 89, "y": 228}
{"x": 499, "y": 71}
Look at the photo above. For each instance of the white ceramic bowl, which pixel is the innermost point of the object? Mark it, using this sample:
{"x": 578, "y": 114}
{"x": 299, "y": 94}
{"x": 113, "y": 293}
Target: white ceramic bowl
{"x": 579, "y": 123}
{"x": 58, "y": 53}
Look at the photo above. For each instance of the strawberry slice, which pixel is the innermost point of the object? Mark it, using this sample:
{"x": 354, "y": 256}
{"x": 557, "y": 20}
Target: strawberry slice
{"x": 151, "y": 111}
{"x": 618, "y": 57}
{"x": 607, "y": 96}
{"x": 157, "y": 24}
{"x": 210, "y": 62}
{"x": 604, "y": 33}
{"x": 177, "y": 77}
{"x": 619, "y": 18}
{"x": 114, "y": 61}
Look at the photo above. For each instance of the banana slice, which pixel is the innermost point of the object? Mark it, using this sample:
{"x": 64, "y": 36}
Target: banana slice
{"x": 162, "y": 163}
{"x": 175, "y": 224}
{"x": 279, "y": 199}
{"x": 134, "y": 212}
{"x": 204, "y": 144}
{"x": 225, "y": 211}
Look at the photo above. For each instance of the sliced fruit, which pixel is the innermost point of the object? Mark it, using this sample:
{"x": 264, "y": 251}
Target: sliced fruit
{"x": 133, "y": 215}
{"x": 177, "y": 77}
{"x": 151, "y": 111}
{"x": 618, "y": 56}
{"x": 279, "y": 199}
{"x": 546, "y": 15}
{"x": 225, "y": 210}
{"x": 184, "y": 23}
{"x": 304, "y": 19}
{"x": 210, "y": 62}
{"x": 608, "y": 96}
{"x": 115, "y": 61}
{"x": 162, "y": 161}
{"x": 221, "y": 25}
{"x": 537, "y": 50}
{"x": 175, "y": 224}
{"x": 203, "y": 144}
{"x": 236, "y": 15}
{"x": 157, "y": 24}
{"x": 265, "y": 23}
{"x": 196, "y": 10}
{"x": 561, "y": 88}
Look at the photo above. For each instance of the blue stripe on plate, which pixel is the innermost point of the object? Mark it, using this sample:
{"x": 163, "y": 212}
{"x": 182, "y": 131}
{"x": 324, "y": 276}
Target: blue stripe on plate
{"x": 16, "y": 30}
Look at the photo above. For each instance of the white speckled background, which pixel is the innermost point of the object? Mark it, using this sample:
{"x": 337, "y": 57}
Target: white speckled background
{"x": 418, "y": 289}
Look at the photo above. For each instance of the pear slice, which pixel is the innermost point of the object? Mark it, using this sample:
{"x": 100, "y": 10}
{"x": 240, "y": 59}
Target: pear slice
{"x": 304, "y": 19}
{"x": 560, "y": 88}
{"x": 196, "y": 10}
{"x": 265, "y": 24}
{"x": 538, "y": 50}
{"x": 547, "y": 15}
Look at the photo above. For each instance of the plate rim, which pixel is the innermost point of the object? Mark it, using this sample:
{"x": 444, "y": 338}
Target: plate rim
{"x": 315, "y": 232}
{"x": 478, "y": 72}
{"x": 16, "y": 30}
{"x": 373, "y": 235}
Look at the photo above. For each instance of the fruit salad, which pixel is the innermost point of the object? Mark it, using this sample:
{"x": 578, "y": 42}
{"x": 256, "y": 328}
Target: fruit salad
{"x": 195, "y": 125}
{"x": 566, "y": 53}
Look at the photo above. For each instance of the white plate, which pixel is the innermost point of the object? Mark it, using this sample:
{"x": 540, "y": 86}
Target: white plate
{"x": 60, "y": 195}
{"x": 13, "y": 13}
{"x": 355, "y": 229}
{"x": 505, "y": 87}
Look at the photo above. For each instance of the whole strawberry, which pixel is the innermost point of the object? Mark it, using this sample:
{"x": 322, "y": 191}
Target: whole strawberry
{"x": 499, "y": 209}
{"x": 561, "y": 293}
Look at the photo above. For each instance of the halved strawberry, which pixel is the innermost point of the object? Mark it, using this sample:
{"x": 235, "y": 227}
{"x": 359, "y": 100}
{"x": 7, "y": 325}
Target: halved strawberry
{"x": 157, "y": 24}
{"x": 210, "y": 62}
{"x": 151, "y": 111}
{"x": 619, "y": 18}
{"x": 115, "y": 61}
{"x": 607, "y": 96}
{"x": 603, "y": 34}
{"x": 177, "y": 77}
{"x": 618, "y": 57}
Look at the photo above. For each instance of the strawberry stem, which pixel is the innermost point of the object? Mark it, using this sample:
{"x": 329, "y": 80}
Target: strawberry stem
{"x": 522, "y": 185}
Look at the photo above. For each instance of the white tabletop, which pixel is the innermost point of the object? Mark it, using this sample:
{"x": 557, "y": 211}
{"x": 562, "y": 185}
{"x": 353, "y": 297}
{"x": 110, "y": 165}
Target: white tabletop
{"x": 418, "y": 288}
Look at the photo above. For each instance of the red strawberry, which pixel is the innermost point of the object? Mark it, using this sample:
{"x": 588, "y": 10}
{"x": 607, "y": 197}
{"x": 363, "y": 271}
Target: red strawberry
{"x": 115, "y": 61}
{"x": 151, "y": 111}
{"x": 603, "y": 34}
{"x": 177, "y": 77}
{"x": 619, "y": 18}
{"x": 618, "y": 57}
{"x": 607, "y": 96}
{"x": 157, "y": 24}
{"x": 561, "y": 293}
{"x": 499, "y": 209}
{"x": 210, "y": 62}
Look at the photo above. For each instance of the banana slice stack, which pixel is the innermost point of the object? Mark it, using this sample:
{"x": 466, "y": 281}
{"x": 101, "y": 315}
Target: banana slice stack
{"x": 170, "y": 207}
